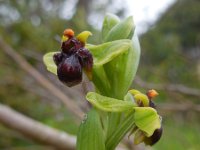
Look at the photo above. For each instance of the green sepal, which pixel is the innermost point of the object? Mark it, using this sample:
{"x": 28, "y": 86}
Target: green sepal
{"x": 121, "y": 70}
{"x": 106, "y": 52}
{"x": 48, "y": 61}
{"x": 109, "y": 104}
{"x": 117, "y": 63}
{"x": 91, "y": 135}
{"x": 147, "y": 120}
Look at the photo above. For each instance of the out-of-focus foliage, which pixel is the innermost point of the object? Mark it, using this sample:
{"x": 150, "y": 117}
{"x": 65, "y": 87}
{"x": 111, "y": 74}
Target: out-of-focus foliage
{"x": 171, "y": 55}
{"x": 172, "y": 45}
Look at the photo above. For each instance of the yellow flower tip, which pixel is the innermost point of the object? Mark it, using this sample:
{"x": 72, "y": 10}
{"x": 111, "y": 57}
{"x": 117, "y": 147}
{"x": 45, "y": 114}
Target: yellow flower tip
{"x": 68, "y": 33}
{"x": 83, "y": 36}
{"x": 134, "y": 92}
{"x": 64, "y": 38}
{"x": 152, "y": 93}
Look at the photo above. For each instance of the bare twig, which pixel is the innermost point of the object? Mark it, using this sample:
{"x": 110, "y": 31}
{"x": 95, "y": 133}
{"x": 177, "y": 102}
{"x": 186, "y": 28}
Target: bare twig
{"x": 179, "y": 107}
{"x": 35, "y": 130}
{"x": 71, "y": 105}
{"x": 169, "y": 87}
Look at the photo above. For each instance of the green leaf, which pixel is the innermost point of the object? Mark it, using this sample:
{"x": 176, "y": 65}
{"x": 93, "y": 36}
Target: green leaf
{"x": 147, "y": 120}
{"x": 108, "y": 104}
{"x": 122, "y": 30}
{"x": 48, "y": 61}
{"x": 109, "y": 22}
{"x": 90, "y": 135}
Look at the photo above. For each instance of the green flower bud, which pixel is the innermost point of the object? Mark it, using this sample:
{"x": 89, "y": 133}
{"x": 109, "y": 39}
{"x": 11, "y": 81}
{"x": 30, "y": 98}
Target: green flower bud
{"x": 115, "y": 62}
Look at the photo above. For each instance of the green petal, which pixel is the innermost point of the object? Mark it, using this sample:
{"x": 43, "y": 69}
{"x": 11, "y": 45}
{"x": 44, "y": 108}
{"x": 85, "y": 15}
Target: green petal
{"x": 109, "y": 104}
{"x": 139, "y": 137}
{"x": 142, "y": 98}
{"x": 147, "y": 120}
{"x": 48, "y": 61}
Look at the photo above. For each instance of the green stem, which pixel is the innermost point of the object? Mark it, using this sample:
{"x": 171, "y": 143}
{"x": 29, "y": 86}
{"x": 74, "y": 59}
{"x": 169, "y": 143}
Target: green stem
{"x": 104, "y": 121}
{"x": 125, "y": 126}
{"x": 113, "y": 123}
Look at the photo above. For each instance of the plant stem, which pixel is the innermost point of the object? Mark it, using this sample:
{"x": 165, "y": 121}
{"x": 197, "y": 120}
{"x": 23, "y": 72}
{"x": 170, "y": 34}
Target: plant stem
{"x": 114, "y": 139}
{"x": 113, "y": 123}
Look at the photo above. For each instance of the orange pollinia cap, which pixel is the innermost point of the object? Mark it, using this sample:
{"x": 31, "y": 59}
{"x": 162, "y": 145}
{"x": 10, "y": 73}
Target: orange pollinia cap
{"x": 68, "y": 32}
{"x": 152, "y": 93}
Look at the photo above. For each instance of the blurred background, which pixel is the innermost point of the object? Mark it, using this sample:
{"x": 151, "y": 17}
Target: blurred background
{"x": 169, "y": 32}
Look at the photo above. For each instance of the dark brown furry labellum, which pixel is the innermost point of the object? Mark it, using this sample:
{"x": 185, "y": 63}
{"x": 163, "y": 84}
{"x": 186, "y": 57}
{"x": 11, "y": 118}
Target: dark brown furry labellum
{"x": 154, "y": 138}
{"x": 70, "y": 71}
{"x": 72, "y": 59}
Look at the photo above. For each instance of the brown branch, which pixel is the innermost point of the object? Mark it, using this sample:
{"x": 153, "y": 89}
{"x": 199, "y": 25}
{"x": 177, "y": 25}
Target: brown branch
{"x": 179, "y": 107}
{"x": 168, "y": 87}
{"x": 36, "y": 130}
{"x": 71, "y": 105}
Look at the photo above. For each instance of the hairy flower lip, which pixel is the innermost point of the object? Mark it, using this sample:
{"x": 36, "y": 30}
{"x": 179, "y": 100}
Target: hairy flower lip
{"x": 154, "y": 138}
{"x": 71, "y": 46}
{"x": 70, "y": 71}
{"x": 57, "y": 58}
{"x": 72, "y": 59}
